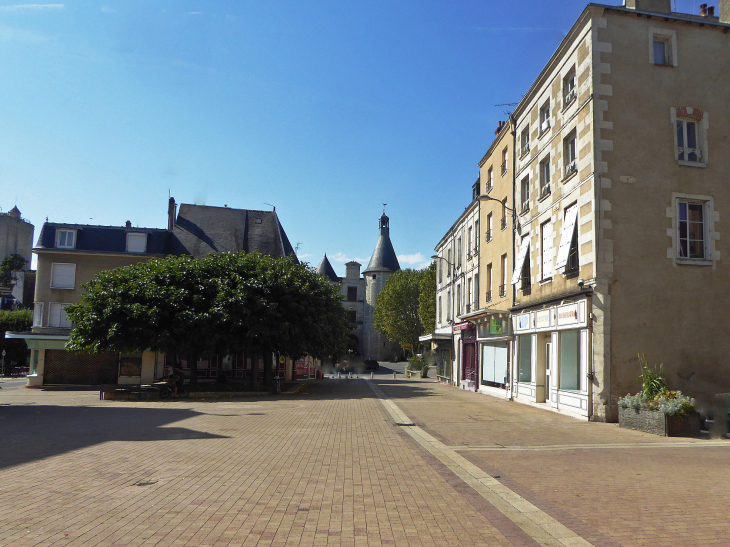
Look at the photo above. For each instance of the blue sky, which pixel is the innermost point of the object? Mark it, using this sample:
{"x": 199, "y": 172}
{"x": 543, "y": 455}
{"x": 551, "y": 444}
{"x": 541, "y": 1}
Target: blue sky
{"x": 324, "y": 109}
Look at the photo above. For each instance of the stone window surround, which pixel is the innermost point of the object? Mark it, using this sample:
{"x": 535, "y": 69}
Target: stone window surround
{"x": 670, "y": 36}
{"x": 703, "y": 129}
{"x": 711, "y": 235}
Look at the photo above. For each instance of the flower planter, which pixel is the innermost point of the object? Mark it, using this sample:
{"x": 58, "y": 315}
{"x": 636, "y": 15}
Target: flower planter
{"x": 658, "y": 423}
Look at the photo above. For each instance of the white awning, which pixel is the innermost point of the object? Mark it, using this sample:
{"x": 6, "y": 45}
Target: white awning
{"x": 520, "y": 263}
{"x": 566, "y": 237}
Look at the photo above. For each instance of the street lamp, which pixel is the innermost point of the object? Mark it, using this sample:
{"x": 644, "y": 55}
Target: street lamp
{"x": 490, "y": 198}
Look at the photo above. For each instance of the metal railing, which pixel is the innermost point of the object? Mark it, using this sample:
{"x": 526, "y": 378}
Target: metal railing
{"x": 489, "y": 296}
{"x": 504, "y": 222}
{"x": 503, "y": 290}
{"x": 571, "y": 168}
{"x": 489, "y": 236}
{"x": 544, "y": 190}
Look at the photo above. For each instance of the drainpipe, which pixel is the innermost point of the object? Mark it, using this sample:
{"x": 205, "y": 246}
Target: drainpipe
{"x": 513, "y": 121}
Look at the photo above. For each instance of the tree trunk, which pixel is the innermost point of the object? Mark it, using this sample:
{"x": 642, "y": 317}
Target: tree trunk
{"x": 193, "y": 356}
{"x": 267, "y": 368}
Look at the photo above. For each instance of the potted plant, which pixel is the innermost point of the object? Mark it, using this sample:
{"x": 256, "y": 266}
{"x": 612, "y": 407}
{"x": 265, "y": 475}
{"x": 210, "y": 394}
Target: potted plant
{"x": 656, "y": 409}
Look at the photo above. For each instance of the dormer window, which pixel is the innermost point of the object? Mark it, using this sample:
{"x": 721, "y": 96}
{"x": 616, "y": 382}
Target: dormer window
{"x": 136, "y": 242}
{"x": 65, "y": 239}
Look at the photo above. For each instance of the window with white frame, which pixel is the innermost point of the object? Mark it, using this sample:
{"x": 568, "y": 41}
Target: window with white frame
{"x": 569, "y": 91}
{"x": 136, "y": 243}
{"x": 690, "y": 135}
{"x": 489, "y": 282}
{"x": 459, "y": 252}
{"x": 545, "y": 177}
{"x": 692, "y": 230}
{"x": 490, "y": 179}
{"x": 57, "y": 316}
{"x": 38, "y": 314}
{"x": 468, "y": 242}
{"x": 440, "y": 267}
{"x": 63, "y": 276}
{"x": 440, "y": 315}
{"x": 546, "y": 250}
{"x": 504, "y": 162}
{"x": 525, "y": 142}
{"x": 476, "y": 238}
{"x": 490, "y": 227}
{"x": 448, "y": 263}
{"x": 525, "y": 194}
{"x": 448, "y": 305}
{"x": 458, "y": 300}
{"x": 503, "y": 286}
{"x": 545, "y": 117}
{"x": 569, "y": 154}
{"x": 504, "y": 213}
{"x": 475, "y": 298}
{"x": 568, "y": 250}
{"x": 662, "y": 47}
{"x": 65, "y": 239}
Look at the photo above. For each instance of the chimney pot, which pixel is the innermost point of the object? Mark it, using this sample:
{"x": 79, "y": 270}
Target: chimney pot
{"x": 710, "y": 11}
{"x": 703, "y": 10}
{"x": 128, "y": 224}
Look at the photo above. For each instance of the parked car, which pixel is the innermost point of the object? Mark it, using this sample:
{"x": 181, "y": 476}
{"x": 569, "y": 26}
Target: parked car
{"x": 371, "y": 364}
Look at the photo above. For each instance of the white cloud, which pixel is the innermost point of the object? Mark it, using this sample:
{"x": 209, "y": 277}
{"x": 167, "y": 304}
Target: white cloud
{"x": 342, "y": 257}
{"x": 416, "y": 261}
{"x": 304, "y": 256}
{"x": 32, "y": 7}
{"x": 196, "y": 13}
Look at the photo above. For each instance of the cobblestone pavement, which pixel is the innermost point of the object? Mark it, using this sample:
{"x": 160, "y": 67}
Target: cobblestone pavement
{"x": 330, "y": 466}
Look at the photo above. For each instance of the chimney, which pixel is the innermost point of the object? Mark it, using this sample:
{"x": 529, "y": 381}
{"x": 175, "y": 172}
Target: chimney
{"x": 655, "y": 6}
{"x": 710, "y": 11}
{"x": 128, "y": 224}
{"x": 703, "y": 10}
{"x": 500, "y": 125}
{"x": 724, "y": 11}
{"x": 171, "y": 210}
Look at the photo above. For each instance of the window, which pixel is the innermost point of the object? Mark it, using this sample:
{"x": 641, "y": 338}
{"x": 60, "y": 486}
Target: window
{"x": 569, "y": 92}
{"x": 475, "y": 190}
{"x": 475, "y": 297}
{"x": 136, "y": 243}
{"x": 352, "y": 316}
{"x": 525, "y": 142}
{"x": 489, "y": 282}
{"x": 545, "y": 118}
{"x": 690, "y": 135}
{"x": 504, "y": 162}
{"x": 448, "y": 305}
{"x": 568, "y": 250}
{"x": 448, "y": 263}
{"x": 440, "y": 268}
{"x": 503, "y": 286}
{"x": 524, "y": 362}
{"x": 459, "y": 252}
{"x": 38, "y": 314}
{"x": 662, "y": 47}
{"x": 57, "y": 316}
{"x": 352, "y": 294}
{"x": 458, "y": 300}
{"x": 570, "y": 360}
{"x": 468, "y": 242}
{"x": 545, "y": 177}
{"x": 521, "y": 273}
{"x": 439, "y": 310}
{"x": 63, "y": 276}
{"x": 476, "y": 239}
{"x": 490, "y": 179}
{"x": 65, "y": 239}
{"x": 691, "y": 230}
{"x": 546, "y": 250}
{"x": 525, "y": 194}
{"x": 569, "y": 146}
{"x": 504, "y": 213}
{"x": 468, "y": 295}
{"x": 489, "y": 227}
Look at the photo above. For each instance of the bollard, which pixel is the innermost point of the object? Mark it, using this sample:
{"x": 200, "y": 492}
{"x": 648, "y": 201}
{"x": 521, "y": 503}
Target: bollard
{"x": 350, "y": 375}
{"x": 339, "y": 375}
{"x": 372, "y": 375}
{"x": 393, "y": 375}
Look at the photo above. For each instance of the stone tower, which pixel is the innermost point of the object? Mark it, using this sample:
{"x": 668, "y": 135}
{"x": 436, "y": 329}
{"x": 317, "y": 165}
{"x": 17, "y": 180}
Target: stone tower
{"x": 382, "y": 265}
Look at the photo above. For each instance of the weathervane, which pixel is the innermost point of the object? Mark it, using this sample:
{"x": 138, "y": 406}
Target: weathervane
{"x": 384, "y": 204}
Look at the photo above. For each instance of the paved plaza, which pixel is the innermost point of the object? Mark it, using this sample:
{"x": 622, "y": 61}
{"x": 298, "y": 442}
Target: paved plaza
{"x": 346, "y": 462}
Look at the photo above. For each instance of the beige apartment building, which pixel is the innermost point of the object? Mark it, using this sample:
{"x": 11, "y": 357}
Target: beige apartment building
{"x": 621, "y": 186}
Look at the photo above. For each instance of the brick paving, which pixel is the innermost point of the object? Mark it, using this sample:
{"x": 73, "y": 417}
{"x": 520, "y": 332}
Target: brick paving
{"x": 329, "y": 466}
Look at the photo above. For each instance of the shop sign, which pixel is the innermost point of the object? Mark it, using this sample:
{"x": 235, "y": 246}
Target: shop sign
{"x": 523, "y": 321}
{"x": 542, "y": 319}
{"x": 461, "y": 326}
{"x": 568, "y": 315}
{"x": 496, "y": 326}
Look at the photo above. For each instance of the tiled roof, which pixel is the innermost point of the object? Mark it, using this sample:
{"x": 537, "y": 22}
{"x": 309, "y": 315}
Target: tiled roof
{"x": 326, "y": 269}
{"x": 104, "y": 239}
{"x": 384, "y": 258}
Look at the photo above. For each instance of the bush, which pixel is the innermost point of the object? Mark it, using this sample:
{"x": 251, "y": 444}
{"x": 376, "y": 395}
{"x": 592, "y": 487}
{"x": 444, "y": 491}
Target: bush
{"x": 654, "y": 394}
{"x": 415, "y": 363}
{"x": 15, "y": 321}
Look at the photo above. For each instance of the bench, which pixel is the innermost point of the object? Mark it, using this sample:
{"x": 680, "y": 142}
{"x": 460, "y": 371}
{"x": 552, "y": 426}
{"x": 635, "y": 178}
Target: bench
{"x": 119, "y": 388}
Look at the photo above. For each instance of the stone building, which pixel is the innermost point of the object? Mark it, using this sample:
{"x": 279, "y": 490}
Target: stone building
{"x": 16, "y": 235}
{"x": 360, "y": 294}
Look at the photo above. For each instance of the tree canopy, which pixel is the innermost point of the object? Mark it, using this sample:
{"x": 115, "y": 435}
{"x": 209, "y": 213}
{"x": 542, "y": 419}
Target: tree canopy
{"x": 397, "y": 309}
{"x": 14, "y": 321}
{"x": 224, "y": 302}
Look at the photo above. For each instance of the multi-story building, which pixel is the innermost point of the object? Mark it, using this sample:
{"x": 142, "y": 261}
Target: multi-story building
{"x": 16, "y": 238}
{"x": 622, "y": 145}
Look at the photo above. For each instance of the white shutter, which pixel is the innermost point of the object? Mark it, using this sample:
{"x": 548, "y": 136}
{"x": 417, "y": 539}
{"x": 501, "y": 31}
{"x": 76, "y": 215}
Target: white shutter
{"x": 524, "y": 248}
{"x": 63, "y": 276}
{"x": 547, "y": 250}
{"x": 136, "y": 243}
{"x": 54, "y": 315}
{"x": 566, "y": 236}
{"x": 38, "y": 314}
{"x": 64, "y": 322}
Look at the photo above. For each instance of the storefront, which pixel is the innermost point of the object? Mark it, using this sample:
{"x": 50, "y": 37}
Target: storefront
{"x": 487, "y": 352}
{"x": 440, "y": 344}
{"x": 551, "y": 356}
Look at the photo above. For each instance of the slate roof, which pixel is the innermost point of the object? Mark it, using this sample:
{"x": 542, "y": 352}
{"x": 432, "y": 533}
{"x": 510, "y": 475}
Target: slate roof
{"x": 326, "y": 269}
{"x": 384, "y": 258}
{"x": 101, "y": 239}
{"x": 200, "y": 230}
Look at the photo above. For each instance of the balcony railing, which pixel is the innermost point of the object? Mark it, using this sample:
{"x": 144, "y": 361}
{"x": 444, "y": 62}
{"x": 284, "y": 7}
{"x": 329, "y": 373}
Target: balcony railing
{"x": 525, "y": 206}
{"x": 571, "y": 168}
{"x": 545, "y": 126}
{"x": 489, "y": 296}
{"x": 544, "y": 190}
{"x": 503, "y": 291}
{"x": 525, "y": 150}
{"x": 504, "y": 168}
{"x": 570, "y": 96}
{"x": 475, "y": 305}
{"x": 489, "y": 236}
{"x": 504, "y": 222}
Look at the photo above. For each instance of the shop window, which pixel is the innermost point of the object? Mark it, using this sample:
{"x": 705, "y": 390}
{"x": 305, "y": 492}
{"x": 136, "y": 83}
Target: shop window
{"x": 570, "y": 360}
{"x": 525, "y": 357}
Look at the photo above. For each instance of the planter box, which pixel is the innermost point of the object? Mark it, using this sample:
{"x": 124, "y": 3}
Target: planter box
{"x": 658, "y": 423}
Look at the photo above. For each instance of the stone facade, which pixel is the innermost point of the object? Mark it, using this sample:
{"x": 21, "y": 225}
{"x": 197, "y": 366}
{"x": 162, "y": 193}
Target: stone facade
{"x": 16, "y": 236}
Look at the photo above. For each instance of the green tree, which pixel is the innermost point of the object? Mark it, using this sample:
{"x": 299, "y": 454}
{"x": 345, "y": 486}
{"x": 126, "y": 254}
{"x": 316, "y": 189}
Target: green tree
{"x": 11, "y": 263}
{"x": 427, "y": 299}
{"x": 225, "y": 302}
{"x": 396, "y": 309}
{"x": 14, "y": 321}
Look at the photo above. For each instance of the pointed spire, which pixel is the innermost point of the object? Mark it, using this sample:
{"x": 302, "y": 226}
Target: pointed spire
{"x": 384, "y": 257}
{"x": 326, "y": 269}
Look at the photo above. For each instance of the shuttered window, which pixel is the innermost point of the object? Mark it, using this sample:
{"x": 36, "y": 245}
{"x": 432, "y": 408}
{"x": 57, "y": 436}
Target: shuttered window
{"x": 547, "y": 249}
{"x": 524, "y": 249}
{"x": 63, "y": 276}
{"x": 136, "y": 243}
{"x": 566, "y": 236}
{"x": 57, "y": 316}
{"x": 38, "y": 314}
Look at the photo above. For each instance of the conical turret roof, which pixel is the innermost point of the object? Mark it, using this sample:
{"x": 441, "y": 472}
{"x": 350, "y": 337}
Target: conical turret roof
{"x": 384, "y": 258}
{"x": 326, "y": 269}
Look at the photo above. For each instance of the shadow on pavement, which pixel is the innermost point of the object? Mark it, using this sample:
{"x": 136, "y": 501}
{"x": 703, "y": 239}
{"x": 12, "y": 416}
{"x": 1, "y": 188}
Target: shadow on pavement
{"x": 29, "y": 433}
